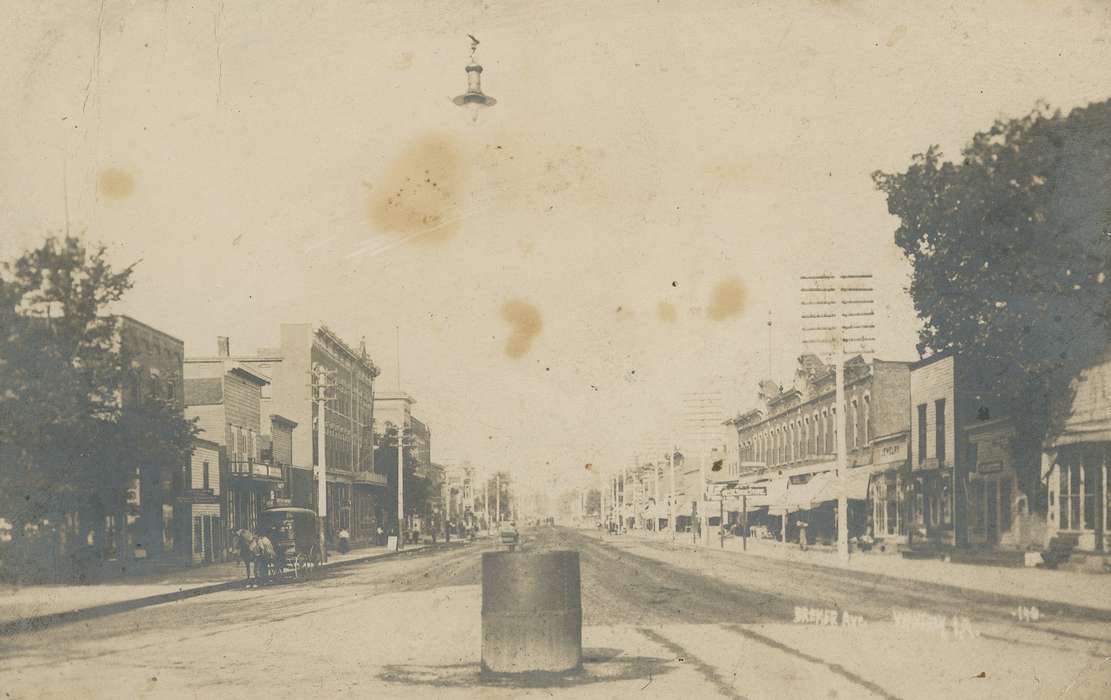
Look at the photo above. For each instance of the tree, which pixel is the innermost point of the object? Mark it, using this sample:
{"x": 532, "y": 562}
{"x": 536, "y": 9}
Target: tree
{"x": 67, "y": 445}
{"x": 1010, "y": 253}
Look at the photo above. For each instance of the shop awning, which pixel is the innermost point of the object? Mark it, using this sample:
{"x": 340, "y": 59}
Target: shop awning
{"x": 825, "y": 487}
{"x": 775, "y": 490}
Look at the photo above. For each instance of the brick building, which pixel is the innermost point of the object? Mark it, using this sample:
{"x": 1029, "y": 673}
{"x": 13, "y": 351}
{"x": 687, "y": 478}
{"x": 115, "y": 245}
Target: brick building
{"x": 154, "y": 371}
{"x": 355, "y": 489}
{"x": 789, "y": 445}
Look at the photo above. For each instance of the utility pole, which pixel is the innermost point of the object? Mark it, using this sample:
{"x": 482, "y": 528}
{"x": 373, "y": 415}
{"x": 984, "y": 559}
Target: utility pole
{"x": 840, "y": 307}
{"x": 325, "y": 390}
{"x": 702, "y": 413}
{"x": 401, "y": 484}
{"x": 671, "y": 479}
{"x": 497, "y": 497}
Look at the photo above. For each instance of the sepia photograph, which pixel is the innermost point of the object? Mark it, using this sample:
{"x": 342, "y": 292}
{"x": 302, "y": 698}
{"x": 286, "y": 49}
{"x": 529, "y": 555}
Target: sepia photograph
{"x": 555, "y": 348}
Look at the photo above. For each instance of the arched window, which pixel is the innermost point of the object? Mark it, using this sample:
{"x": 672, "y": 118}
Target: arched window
{"x": 805, "y": 436}
{"x": 830, "y": 427}
{"x": 815, "y": 433}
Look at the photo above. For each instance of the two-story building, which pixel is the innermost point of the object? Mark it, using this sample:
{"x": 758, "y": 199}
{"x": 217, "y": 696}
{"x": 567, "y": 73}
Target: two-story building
{"x": 788, "y": 447}
{"x": 200, "y": 530}
{"x": 225, "y": 397}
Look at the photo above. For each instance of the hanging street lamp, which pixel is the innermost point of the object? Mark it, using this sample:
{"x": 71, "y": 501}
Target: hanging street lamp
{"x": 474, "y": 99}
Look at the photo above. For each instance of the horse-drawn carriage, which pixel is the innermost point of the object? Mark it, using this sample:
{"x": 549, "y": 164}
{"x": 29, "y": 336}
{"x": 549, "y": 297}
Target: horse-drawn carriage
{"x": 287, "y": 542}
{"x": 295, "y": 535}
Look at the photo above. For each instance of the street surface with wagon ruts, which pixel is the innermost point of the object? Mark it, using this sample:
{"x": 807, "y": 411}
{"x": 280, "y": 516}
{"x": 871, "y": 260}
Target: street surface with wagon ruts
{"x": 659, "y": 621}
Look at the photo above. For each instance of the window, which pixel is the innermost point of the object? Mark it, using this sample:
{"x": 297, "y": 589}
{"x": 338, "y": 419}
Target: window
{"x": 939, "y": 430}
{"x": 815, "y": 433}
{"x": 1005, "y": 505}
{"x": 1090, "y": 482}
{"x": 828, "y": 431}
{"x": 856, "y": 425}
{"x": 171, "y": 390}
{"x": 867, "y": 419}
{"x": 805, "y": 436}
{"x": 978, "y": 503}
{"x": 204, "y": 477}
{"x": 892, "y": 480}
{"x": 241, "y": 445}
{"x": 198, "y": 535}
{"x": 921, "y": 433}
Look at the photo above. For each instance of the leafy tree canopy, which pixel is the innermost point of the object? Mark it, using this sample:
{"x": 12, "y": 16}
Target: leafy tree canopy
{"x": 1010, "y": 252}
{"x": 66, "y": 442}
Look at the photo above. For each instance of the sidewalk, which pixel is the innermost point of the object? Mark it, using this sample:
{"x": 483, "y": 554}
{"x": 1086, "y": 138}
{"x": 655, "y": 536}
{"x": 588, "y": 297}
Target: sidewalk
{"x": 23, "y": 607}
{"x": 1064, "y": 587}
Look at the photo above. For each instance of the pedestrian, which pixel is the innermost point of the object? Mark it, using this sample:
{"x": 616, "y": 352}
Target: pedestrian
{"x": 802, "y": 534}
{"x": 381, "y": 537}
{"x": 344, "y": 541}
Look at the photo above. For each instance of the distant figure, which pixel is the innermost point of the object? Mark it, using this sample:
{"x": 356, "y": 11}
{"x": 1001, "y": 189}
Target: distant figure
{"x": 344, "y": 541}
{"x": 381, "y": 537}
{"x": 802, "y": 534}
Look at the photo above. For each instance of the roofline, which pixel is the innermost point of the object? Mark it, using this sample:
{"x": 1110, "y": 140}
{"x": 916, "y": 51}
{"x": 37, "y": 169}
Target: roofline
{"x": 250, "y": 374}
{"x": 152, "y": 328}
{"x": 936, "y": 357}
{"x": 282, "y": 419}
{"x": 206, "y": 443}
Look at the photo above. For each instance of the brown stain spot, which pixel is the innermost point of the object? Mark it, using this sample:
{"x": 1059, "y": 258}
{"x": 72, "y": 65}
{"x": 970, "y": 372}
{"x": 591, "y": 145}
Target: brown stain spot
{"x": 896, "y": 34}
{"x": 624, "y": 313}
{"x": 728, "y": 300}
{"x": 420, "y": 193}
{"x": 665, "y": 311}
{"x": 115, "y": 183}
{"x": 589, "y": 467}
{"x": 524, "y": 319}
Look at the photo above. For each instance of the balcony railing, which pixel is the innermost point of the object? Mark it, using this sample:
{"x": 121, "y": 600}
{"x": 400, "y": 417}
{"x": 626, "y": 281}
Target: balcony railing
{"x": 255, "y": 470}
{"x": 370, "y": 478}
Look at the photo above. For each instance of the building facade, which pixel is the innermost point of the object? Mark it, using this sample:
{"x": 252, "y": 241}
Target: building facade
{"x": 356, "y": 499}
{"x": 200, "y": 530}
{"x": 154, "y": 370}
{"x": 225, "y": 396}
{"x": 788, "y": 446}
{"x": 1076, "y": 466}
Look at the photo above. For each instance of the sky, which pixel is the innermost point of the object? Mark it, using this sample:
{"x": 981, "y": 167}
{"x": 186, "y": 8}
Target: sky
{"x": 615, "y": 234}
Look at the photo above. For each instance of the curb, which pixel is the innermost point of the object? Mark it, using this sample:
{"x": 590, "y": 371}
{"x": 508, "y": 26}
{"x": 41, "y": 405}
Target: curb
{"x": 1094, "y": 613}
{"x": 38, "y": 623}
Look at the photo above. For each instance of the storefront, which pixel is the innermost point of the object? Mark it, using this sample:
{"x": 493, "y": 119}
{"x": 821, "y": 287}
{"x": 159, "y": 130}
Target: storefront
{"x": 1076, "y": 465}
{"x": 887, "y": 490}
{"x": 998, "y": 515}
{"x": 1079, "y": 502}
{"x": 929, "y": 501}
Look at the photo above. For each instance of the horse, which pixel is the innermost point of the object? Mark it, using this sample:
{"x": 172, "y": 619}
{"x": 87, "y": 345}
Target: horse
{"x": 257, "y": 550}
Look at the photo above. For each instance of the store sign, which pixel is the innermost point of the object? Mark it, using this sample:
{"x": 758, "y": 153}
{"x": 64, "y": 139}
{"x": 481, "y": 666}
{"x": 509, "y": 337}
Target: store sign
{"x": 890, "y": 452}
{"x": 992, "y": 467}
{"x": 738, "y": 491}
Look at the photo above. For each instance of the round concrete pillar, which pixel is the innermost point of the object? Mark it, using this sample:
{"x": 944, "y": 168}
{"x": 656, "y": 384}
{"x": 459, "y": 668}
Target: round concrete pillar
{"x": 531, "y": 612}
